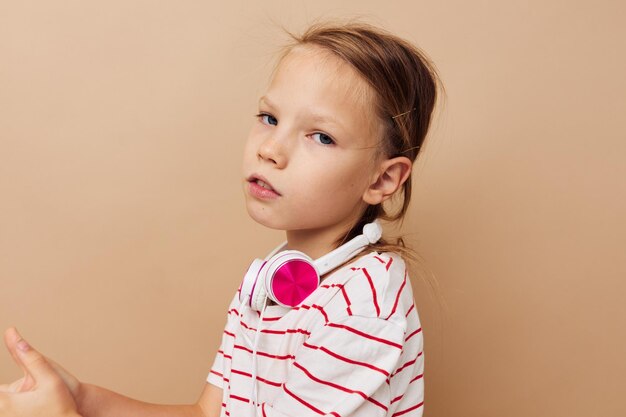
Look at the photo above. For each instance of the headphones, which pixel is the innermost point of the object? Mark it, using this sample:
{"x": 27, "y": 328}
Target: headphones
{"x": 288, "y": 276}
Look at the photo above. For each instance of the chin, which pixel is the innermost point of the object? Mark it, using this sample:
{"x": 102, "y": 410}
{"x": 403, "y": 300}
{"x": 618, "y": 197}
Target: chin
{"x": 264, "y": 218}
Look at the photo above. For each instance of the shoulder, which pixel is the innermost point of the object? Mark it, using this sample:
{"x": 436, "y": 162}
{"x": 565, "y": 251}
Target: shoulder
{"x": 379, "y": 287}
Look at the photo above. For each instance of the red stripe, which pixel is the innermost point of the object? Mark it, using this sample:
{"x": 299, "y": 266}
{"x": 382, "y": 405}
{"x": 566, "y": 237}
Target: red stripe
{"x": 245, "y": 400}
{"x": 314, "y": 306}
{"x": 236, "y": 371}
{"x": 413, "y": 334}
{"x": 389, "y": 264}
{"x": 224, "y": 355}
{"x": 398, "y": 398}
{"x": 229, "y": 333}
{"x": 416, "y": 378}
{"x": 246, "y": 326}
{"x": 271, "y": 318}
{"x": 249, "y": 375}
{"x": 344, "y": 359}
{"x": 269, "y": 331}
{"x": 286, "y": 331}
{"x": 369, "y": 279}
{"x": 395, "y": 304}
{"x": 339, "y": 387}
{"x": 345, "y": 297}
{"x": 216, "y": 373}
{"x": 399, "y": 413}
{"x": 321, "y": 310}
{"x": 409, "y": 363}
{"x": 365, "y": 335}
{"x": 263, "y": 410}
{"x": 410, "y": 309}
{"x": 380, "y": 259}
{"x": 269, "y": 355}
{"x": 317, "y": 410}
{"x": 331, "y": 285}
{"x": 233, "y": 310}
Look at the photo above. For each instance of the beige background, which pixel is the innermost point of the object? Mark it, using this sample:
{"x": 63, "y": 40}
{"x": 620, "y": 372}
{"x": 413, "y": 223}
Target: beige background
{"x": 123, "y": 232}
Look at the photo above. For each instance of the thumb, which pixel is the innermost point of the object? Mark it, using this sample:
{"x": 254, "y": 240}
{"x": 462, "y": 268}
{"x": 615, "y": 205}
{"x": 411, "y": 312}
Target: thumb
{"x": 11, "y": 338}
{"x": 34, "y": 362}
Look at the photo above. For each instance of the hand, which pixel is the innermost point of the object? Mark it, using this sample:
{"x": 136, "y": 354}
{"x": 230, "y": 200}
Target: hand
{"x": 26, "y": 382}
{"x": 41, "y": 392}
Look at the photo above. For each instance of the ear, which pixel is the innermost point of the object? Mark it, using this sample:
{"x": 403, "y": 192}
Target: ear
{"x": 392, "y": 173}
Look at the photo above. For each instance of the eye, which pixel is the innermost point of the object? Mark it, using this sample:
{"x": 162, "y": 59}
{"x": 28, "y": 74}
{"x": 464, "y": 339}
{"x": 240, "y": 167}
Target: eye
{"x": 322, "y": 138}
{"x": 267, "y": 119}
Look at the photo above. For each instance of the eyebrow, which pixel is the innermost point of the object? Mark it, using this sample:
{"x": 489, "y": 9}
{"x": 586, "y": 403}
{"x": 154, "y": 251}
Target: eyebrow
{"x": 266, "y": 100}
{"x": 316, "y": 117}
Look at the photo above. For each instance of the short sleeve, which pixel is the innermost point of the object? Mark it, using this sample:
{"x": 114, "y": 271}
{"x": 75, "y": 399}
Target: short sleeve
{"x": 216, "y": 374}
{"x": 342, "y": 369}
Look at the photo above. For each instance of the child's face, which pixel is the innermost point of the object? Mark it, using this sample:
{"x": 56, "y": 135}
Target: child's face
{"x": 315, "y": 143}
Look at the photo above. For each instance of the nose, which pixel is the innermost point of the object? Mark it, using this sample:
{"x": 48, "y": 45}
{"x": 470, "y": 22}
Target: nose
{"x": 273, "y": 151}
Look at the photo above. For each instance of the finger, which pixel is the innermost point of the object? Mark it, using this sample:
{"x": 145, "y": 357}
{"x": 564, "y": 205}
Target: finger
{"x": 14, "y": 386}
{"x": 35, "y": 363}
{"x": 70, "y": 380}
{"x": 11, "y": 337}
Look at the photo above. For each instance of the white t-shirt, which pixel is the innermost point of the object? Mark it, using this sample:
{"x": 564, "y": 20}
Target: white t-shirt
{"x": 352, "y": 348}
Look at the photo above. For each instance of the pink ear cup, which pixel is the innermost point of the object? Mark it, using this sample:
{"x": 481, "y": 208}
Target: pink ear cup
{"x": 292, "y": 282}
{"x": 290, "y": 278}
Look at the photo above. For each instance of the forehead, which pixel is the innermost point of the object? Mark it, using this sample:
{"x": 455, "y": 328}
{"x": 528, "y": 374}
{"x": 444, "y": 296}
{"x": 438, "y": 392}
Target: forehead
{"x": 311, "y": 80}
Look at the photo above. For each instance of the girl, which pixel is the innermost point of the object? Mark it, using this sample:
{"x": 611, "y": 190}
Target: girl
{"x": 336, "y": 134}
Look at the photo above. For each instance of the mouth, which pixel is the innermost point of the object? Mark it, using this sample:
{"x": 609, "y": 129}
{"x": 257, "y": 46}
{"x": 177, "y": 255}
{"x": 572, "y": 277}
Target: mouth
{"x": 262, "y": 182}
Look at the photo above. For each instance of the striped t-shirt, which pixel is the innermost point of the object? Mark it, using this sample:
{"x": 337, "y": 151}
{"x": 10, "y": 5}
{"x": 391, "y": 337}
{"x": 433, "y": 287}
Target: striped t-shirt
{"x": 352, "y": 348}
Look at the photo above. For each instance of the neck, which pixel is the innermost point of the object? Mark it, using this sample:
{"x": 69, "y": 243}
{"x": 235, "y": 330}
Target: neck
{"x": 315, "y": 242}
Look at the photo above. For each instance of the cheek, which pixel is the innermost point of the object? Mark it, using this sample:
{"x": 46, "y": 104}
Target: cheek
{"x": 342, "y": 181}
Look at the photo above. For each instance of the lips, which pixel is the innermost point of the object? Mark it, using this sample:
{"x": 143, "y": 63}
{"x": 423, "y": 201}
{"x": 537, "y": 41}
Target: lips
{"x": 265, "y": 185}
{"x": 262, "y": 182}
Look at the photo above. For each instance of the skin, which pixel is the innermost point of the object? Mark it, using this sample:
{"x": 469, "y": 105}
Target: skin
{"x": 324, "y": 186}
{"x": 41, "y": 392}
{"x": 46, "y": 389}
{"x": 326, "y": 170}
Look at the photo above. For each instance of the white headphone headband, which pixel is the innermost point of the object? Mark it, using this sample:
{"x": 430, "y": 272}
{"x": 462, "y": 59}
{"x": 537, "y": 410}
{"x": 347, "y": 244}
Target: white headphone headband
{"x": 274, "y": 276}
{"x": 371, "y": 234}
